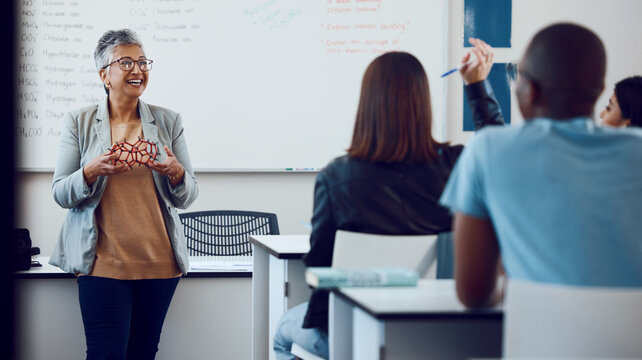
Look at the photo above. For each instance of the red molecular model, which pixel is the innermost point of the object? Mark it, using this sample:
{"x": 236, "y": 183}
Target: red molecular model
{"x": 142, "y": 152}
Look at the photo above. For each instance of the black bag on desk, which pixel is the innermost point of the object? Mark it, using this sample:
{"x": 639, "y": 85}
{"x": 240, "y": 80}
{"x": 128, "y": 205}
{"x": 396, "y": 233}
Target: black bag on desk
{"x": 21, "y": 249}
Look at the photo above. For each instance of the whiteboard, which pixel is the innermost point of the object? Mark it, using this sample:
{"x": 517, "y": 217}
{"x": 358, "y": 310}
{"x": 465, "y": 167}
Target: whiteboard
{"x": 260, "y": 84}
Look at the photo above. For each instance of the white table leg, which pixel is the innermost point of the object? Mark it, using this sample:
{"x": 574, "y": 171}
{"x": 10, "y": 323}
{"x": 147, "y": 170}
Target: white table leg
{"x": 340, "y": 328}
{"x": 367, "y": 335}
{"x": 260, "y": 295}
{"x": 277, "y": 301}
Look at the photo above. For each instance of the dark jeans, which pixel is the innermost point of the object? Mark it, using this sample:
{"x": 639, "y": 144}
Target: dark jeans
{"x": 123, "y": 318}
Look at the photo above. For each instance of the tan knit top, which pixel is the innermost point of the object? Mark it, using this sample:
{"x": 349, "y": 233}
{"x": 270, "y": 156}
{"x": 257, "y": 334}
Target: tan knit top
{"x": 132, "y": 238}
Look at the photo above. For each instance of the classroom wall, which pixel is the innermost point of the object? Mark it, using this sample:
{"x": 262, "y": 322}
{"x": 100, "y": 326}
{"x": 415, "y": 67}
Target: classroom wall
{"x": 290, "y": 195}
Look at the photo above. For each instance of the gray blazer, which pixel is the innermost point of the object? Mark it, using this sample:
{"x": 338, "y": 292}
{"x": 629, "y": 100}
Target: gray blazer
{"x": 86, "y": 134}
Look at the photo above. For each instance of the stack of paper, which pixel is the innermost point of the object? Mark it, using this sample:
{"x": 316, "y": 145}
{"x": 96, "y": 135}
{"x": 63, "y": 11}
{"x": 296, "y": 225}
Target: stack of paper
{"x": 220, "y": 266}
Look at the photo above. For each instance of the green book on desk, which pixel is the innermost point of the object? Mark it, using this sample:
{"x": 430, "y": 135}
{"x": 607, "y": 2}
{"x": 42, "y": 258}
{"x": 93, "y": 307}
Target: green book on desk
{"x": 329, "y": 277}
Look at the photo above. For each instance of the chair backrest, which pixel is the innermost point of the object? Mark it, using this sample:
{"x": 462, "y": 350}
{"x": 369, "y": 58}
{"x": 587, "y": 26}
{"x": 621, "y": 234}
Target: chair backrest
{"x": 225, "y": 232}
{"x": 549, "y": 320}
{"x": 416, "y": 252}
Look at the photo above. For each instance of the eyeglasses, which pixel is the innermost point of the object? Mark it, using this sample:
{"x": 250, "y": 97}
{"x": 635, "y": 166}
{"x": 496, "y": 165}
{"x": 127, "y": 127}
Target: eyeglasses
{"x": 127, "y": 64}
{"x": 513, "y": 72}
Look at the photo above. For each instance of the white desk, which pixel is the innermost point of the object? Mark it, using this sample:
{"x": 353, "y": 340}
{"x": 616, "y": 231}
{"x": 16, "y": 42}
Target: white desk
{"x": 210, "y": 314}
{"x": 277, "y": 285}
{"x": 423, "y": 322}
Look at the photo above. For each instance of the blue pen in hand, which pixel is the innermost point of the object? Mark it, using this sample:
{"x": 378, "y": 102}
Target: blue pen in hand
{"x": 472, "y": 58}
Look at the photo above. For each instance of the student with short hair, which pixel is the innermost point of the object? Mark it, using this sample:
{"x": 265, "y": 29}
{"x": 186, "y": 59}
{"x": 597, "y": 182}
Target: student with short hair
{"x": 391, "y": 178}
{"x": 558, "y": 197}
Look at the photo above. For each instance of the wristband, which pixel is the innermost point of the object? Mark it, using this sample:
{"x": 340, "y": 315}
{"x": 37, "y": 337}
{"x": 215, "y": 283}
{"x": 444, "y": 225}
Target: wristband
{"x": 180, "y": 174}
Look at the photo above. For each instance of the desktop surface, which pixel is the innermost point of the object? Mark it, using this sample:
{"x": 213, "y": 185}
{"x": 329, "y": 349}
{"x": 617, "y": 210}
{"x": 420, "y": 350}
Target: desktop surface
{"x": 200, "y": 266}
{"x": 283, "y": 246}
{"x": 429, "y": 299}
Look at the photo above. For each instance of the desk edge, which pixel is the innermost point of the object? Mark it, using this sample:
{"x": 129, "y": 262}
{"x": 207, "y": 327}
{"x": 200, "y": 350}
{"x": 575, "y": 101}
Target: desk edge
{"x": 278, "y": 255}
{"x": 194, "y": 274}
{"x": 488, "y": 314}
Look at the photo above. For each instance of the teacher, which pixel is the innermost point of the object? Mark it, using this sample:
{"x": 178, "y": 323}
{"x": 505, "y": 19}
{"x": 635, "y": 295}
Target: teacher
{"x": 122, "y": 170}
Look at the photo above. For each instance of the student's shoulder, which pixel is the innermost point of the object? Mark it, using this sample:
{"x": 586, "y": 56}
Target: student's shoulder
{"x": 500, "y": 131}
{"x": 633, "y": 133}
{"x": 495, "y": 135}
{"x": 628, "y": 138}
{"x": 337, "y": 167}
{"x": 345, "y": 168}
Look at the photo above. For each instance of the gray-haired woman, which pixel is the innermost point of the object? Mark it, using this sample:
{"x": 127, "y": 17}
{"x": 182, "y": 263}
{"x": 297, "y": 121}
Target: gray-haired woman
{"x": 122, "y": 170}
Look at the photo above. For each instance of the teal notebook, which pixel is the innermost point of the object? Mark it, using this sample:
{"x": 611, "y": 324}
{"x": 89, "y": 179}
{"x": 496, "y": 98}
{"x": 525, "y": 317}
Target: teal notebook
{"x": 329, "y": 277}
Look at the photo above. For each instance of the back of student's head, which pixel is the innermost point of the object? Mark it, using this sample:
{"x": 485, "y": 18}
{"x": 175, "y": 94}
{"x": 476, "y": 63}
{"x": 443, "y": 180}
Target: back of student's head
{"x": 566, "y": 63}
{"x": 629, "y": 96}
{"x": 394, "y": 118}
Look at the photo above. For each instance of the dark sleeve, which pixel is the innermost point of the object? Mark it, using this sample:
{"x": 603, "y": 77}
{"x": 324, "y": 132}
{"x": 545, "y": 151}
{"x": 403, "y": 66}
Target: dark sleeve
{"x": 483, "y": 104}
{"x": 450, "y": 154}
{"x": 323, "y": 226}
{"x": 321, "y": 248}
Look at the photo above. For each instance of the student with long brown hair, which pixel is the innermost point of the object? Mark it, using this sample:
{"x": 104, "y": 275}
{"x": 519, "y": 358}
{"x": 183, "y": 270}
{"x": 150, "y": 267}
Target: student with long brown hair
{"x": 390, "y": 180}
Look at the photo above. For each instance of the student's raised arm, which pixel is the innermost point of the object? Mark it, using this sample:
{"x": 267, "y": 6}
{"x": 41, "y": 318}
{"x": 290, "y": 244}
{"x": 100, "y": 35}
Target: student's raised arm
{"x": 481, "y": 98}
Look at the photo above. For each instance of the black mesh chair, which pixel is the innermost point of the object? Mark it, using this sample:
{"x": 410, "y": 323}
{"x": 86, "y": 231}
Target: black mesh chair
{"x": 225, "y": 232}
